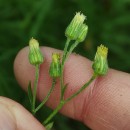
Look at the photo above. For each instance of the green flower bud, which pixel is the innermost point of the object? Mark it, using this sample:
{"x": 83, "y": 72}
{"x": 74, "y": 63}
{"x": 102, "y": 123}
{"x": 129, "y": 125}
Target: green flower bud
{"x": 74, "y": 27}
{"x": 55, "y": 67}
{"x": 100, "y": 65}
{"x": 82, "y": 33}
{"x": 35, "y": 55}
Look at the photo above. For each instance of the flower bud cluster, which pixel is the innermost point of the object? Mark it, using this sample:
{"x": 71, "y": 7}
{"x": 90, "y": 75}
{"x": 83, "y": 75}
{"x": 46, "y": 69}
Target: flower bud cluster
{"x": 77, "y": 30}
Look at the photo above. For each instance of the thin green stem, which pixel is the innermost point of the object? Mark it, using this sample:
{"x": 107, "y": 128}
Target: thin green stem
{"x": 62, "y": 102}
{"x": 53, "y": 113}
{"x": 35, "y": 88}
{"x": 47, "y": 96}
{"x": 72, "y": 48}
{"x": 82, "y": 88}
{"x": 65, "y": 50}
{"x": 62, "y": 66}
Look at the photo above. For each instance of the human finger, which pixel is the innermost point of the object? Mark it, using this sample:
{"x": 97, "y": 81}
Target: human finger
{"x": 105, "y": 104}
{"x": 15, "y": 117}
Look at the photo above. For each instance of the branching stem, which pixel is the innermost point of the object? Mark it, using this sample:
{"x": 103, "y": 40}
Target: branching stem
{"x": 47, "y": 96}
{"x": 62, "y": 102}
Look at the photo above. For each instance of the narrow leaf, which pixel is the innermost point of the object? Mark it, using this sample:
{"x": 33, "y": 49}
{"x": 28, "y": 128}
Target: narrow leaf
{"x": 49, "y": 126}
{"x": 64, "y": 88}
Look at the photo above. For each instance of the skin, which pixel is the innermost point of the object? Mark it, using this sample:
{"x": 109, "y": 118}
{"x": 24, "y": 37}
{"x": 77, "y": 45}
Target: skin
{"x": 104, "y": 105}
{"x": 15, "y": 117}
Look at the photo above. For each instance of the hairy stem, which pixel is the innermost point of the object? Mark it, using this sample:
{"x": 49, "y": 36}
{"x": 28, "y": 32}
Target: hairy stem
{"x": 47, "y": 96}
{"x": 82, "y": 88}
{"x": 67, "y": 53}
{"x": 62, "y": 66}
{"x": 71, "y": 49}
{"x": 35, "y": 89}
{"x": 62, "y": 102}
{"x": 53, "y": 113}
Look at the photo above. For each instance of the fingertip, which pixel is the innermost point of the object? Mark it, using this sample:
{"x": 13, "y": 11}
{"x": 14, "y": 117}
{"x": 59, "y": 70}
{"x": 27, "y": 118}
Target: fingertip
{"x": 22, "y": 67}
{"x": 17, "y": 117}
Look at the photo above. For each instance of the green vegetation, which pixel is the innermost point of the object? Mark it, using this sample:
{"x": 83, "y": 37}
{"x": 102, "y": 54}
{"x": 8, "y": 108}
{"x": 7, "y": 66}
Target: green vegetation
{"x": 46, "y": 20}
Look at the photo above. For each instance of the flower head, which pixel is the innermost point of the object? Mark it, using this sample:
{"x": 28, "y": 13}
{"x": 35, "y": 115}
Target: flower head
{"x": 74, "y": 27}
{"x": 55, "y": 67}
{"x": 102, "y": 50}
{"x": 83, "y": 33}
{"x": 55, "y": 57}
{"x": 35, "y": 55}
{"x": 100, "y": 65}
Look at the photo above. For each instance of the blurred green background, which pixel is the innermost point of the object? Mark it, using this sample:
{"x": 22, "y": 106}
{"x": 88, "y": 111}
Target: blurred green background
{"x": 46, "y": 20}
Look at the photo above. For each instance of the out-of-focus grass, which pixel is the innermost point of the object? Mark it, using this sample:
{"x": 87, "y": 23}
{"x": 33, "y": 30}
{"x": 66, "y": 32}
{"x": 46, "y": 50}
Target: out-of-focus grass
{"x": 46, "y": 20}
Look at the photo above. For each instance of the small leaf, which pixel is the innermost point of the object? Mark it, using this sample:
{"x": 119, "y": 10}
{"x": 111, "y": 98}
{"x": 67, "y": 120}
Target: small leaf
{"x": 30, "y": 95}
{"x": 49, "y": 126}
{"x": 64, "y": 88}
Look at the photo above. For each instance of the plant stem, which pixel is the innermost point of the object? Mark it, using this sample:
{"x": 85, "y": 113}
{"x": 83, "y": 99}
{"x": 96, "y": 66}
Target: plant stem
{"x": 63, "y": 62}
{"x": 62, "y": 102}
{"x": 54, "y": 113}
{"x": 72, "y": 48}
{"x": 82, "y": 88}
{"x": 62, "y": 66}
{"x": 35, "y": 88}
{"x": 65, "y": 51}
{"x": 47, "y": 96}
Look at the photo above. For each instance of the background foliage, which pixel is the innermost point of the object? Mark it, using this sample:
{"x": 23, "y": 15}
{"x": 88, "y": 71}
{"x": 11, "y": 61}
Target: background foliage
{"x": 46, "y": 20}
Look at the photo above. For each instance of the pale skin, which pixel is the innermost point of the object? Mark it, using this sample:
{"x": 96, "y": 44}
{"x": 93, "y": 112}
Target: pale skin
{"x": 104, "y": 105}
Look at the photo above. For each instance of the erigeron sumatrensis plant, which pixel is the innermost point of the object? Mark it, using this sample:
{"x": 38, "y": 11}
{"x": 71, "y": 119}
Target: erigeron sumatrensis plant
{"x": 76, "y": 33}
